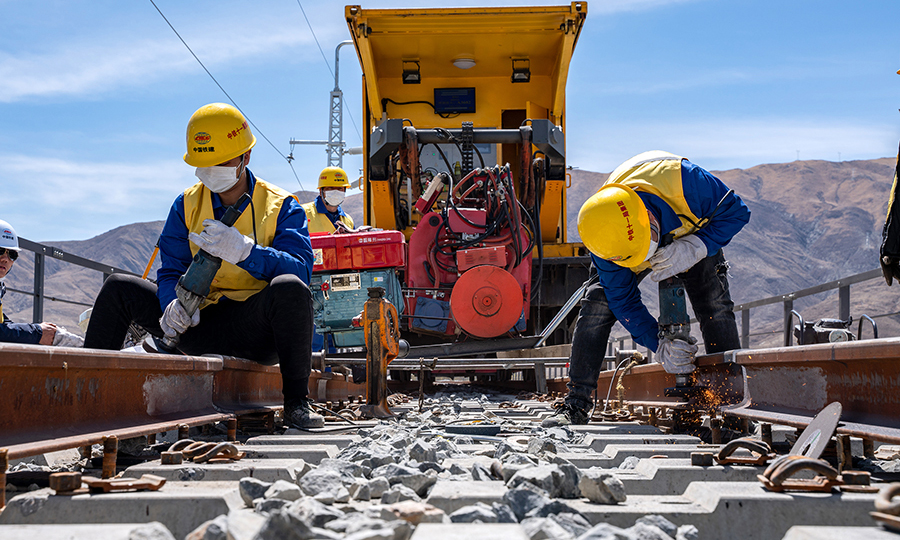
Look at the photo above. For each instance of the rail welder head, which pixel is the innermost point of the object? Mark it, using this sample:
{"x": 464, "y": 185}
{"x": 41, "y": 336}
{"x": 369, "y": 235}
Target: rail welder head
{"x": 615, "y": 225}
{"x": 217, "y": 133}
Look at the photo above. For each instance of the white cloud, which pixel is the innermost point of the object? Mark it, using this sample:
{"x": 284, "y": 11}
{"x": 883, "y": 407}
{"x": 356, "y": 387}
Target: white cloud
{"x": 102, "y": 64}
{"x": 727, "y": 144}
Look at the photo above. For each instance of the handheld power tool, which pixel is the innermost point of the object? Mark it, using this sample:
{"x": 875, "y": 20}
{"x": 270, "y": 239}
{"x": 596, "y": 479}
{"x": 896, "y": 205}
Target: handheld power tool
{"x": 193, "y": 286}
{"x": 674, "y": 323}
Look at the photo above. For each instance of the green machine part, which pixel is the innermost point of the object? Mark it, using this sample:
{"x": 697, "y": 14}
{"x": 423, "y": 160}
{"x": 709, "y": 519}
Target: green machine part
{"x": 338, "y": 297}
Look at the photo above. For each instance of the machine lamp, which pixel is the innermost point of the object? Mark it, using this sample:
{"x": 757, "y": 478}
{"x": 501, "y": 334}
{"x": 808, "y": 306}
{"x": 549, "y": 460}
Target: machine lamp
{"x": 464, "y": 63}
{"x": 521, "y": 72}
{"x": 411, "y": 73}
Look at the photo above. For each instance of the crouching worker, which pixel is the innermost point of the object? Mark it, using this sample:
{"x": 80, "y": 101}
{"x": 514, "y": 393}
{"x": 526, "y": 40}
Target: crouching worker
{"x": 259, "y": 306}
{"x": 34, "y": 334}
{"x": 657, "y": 214}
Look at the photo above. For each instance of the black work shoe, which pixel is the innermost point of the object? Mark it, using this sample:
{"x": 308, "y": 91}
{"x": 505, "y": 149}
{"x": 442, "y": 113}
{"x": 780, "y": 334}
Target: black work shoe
{"x": 566, "y": 415}
{"x": 302, "y": 416}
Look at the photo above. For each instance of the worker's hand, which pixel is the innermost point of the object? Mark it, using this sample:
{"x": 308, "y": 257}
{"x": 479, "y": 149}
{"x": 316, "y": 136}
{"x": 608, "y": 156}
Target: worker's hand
{"x": 890, "y": 267}
{"x": 676, "y": 356}
{"x": 48, "y": 332}
{"x": 175, "y": 320}
{"x": 222, "y": 241}
{"x": 679, "y": 256}
{"x": 64, "y": 338}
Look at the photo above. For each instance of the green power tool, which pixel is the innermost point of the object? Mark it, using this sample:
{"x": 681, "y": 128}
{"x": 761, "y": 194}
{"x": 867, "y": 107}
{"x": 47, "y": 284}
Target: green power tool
{"x": 675, "y": 323}
{"x": 193, "y": 286}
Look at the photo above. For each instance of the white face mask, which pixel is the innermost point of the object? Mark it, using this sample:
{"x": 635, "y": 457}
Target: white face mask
{"x": 218, "y": 179}
{"x": 334, "y": 197}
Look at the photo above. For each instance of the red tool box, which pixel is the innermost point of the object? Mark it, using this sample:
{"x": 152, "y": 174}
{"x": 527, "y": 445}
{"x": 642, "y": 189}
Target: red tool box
{"x": 358, "y": 251}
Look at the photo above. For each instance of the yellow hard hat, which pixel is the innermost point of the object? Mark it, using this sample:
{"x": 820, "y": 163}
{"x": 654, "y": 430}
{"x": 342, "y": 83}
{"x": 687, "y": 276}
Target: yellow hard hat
{"x": 216, "y": 133}
{"x": 614, "y": 225}
{"x": 333, "y": 177}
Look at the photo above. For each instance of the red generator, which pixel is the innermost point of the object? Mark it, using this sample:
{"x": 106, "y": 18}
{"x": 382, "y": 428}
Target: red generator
{"x": 469, "y": 267}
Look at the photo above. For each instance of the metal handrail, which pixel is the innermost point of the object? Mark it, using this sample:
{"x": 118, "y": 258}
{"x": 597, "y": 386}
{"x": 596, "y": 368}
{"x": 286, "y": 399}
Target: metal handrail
{"x": 843, "y": 285}
{"x": 42, "y": 251}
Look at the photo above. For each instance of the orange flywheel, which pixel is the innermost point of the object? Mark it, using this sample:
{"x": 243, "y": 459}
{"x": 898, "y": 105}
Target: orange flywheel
{"x": 486, "y": 301}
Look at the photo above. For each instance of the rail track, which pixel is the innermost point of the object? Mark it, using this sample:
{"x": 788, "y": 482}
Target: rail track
{"x": 58, "y": 399}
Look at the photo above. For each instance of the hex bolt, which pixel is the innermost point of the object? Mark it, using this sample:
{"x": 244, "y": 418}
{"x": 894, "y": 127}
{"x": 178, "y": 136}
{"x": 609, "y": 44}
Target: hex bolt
{"x": 232, "y": 429}
{"x": 183, "y": 430}
{"x": 65, "y": 482}
{"x": 765, "y": 433}
{"x": 86, "y": 451}
{"x": 715, "y": 428}
{"x": 701, "y": 459}
{"x": 844, "y": 453}
{"x": 4, "y": 464}
{"x": 110, "y": 449}
{"x": 868, "y": 448}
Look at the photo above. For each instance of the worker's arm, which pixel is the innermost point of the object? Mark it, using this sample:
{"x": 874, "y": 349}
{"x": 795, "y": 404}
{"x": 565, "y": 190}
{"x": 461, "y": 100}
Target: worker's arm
{"x": 291, "y": 250}
{"x": 174, "y": 253}
{"x": 703, "y": 191}
{"x": 624, "y": 297}
{"x": 11, "y": 332}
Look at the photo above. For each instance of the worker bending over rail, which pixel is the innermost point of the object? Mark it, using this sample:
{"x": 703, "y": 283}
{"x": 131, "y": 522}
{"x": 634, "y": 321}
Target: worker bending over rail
{"x": 657, "y": 214}
{"x": 259, "y": 306}
{"x": 34, "y": 334}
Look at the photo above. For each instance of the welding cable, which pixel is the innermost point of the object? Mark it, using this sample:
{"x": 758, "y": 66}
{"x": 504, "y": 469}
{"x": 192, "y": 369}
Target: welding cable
{"x": 613, "y": 380}
{"x": 326, "y": 409}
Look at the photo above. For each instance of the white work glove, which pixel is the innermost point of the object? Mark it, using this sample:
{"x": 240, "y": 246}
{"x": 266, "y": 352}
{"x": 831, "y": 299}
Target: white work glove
{"x": 679, "y": 256}
{"x": 676, "y": 356}
{"x": 175, "y": 320}
{"x": 64, "y": 338}
{"x": 222, "y": 241}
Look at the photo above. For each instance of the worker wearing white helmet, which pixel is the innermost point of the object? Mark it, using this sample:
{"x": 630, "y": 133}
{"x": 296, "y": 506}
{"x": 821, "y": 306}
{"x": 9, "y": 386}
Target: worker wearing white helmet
{"x": 259, "y": 306}
{"x": 657, "y": 214}
{"x": 325, "y": 212}
{"x": 38, "y": 333}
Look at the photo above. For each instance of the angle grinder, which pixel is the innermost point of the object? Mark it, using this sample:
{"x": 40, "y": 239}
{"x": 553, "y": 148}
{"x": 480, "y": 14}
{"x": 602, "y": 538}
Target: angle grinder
{"x": 674, "y": 323}
{"x": 193, "y": 287}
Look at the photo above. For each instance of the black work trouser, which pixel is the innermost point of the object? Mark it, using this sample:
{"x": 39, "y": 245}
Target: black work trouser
{"x": 706, "y": 284}
{"x": 274, "y": 326}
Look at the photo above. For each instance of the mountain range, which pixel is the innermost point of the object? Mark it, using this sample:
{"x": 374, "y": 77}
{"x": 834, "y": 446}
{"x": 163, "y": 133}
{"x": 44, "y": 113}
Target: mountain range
{"x": 811, "y": 222}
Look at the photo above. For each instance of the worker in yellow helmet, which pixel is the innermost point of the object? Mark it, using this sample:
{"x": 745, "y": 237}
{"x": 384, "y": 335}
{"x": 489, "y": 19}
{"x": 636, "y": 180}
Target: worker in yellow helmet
{"x": 259, "y": 306}
{"x": 325, "y": 212}
{"x": 657, "y": 214}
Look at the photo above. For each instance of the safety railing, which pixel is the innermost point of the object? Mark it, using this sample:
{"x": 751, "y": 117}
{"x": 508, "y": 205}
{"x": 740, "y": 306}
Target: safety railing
{"x": 787, "y": 300}
{"x": 41, "y": 252}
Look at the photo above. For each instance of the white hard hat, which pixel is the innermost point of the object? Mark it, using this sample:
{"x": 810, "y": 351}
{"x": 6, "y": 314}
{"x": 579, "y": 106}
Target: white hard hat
{"x": 8, "y": 237}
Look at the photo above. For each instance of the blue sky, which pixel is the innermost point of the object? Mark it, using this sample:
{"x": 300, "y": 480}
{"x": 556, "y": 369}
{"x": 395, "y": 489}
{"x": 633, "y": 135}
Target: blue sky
{"x": 95, "y": 95}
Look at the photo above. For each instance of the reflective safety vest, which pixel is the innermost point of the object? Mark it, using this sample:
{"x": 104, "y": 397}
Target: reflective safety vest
{"x": 317, "y": 222}
{"x": 658, "y": 173}
{"x": 232, "y": 281}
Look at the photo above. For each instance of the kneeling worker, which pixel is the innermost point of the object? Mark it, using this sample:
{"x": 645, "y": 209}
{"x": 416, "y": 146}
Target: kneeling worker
{"x": 259, "y": 306}
{"x": 34, "y": 334}
{"x": 654, "y": 199}
{"x": 325, "y": 212}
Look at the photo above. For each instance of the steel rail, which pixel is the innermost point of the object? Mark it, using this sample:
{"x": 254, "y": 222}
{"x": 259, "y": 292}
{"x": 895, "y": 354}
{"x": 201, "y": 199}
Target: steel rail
{"x": 790, "y": 385}
{"x": 57, "y": 398}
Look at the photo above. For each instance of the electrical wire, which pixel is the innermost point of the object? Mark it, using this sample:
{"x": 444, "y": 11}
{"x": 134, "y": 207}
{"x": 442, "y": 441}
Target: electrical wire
{"x": 263, "y": 135}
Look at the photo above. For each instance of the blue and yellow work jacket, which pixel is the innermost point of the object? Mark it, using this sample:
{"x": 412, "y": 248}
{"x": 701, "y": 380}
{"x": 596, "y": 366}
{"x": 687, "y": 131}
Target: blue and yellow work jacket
{"x": 283, "y": 245}
{"x": 668, "y": 185}
{"x": 321, "y": 220}
{"x": 11, "y": 332}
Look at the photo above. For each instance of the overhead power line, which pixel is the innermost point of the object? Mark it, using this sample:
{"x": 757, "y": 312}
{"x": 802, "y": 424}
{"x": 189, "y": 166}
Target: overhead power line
{"x": 263, "y": 135}
{"x": 316, "y": 39}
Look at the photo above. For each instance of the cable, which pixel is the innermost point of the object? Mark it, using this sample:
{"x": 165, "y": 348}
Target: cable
{"x": 263, "y": 135}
